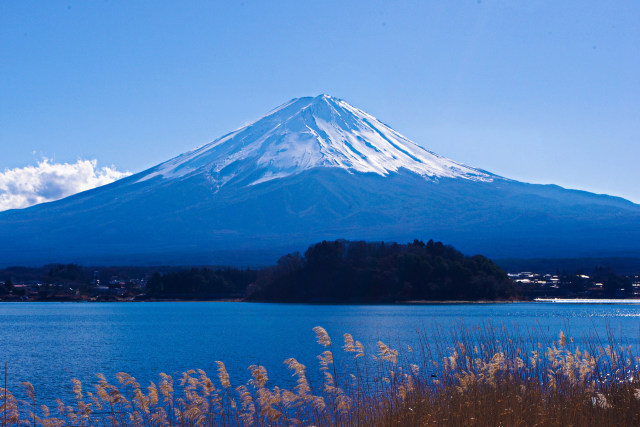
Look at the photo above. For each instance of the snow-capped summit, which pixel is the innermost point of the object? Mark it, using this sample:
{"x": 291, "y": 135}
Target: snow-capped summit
{"x": 312, "y": 169}
{"x": 307, "y": 133}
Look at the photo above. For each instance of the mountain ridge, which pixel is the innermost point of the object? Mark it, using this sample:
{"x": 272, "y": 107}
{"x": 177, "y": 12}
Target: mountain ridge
{"x": 307, "y": 132}
{"x": 219, "y": 204}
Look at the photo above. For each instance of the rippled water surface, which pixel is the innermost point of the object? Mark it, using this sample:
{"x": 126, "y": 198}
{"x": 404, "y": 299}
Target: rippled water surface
{"x": 50, "y": 343}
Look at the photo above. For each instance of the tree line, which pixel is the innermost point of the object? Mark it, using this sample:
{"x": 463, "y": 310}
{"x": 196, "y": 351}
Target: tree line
{"x": 358, "y": 271}
{"x": 329, "y": 271}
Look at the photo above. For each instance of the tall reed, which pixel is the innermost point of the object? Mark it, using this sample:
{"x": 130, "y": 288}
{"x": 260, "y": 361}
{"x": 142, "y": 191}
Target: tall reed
{"x": 485, "y": 376}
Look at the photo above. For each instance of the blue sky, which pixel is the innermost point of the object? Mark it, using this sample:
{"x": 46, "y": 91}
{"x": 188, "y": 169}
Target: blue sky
{"x": 545, "y": 91}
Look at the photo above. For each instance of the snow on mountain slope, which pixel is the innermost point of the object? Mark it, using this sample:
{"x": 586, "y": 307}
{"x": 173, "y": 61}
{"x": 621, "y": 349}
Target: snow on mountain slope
{"x": 307, "y": 133}
{"x": 313, "y": 169}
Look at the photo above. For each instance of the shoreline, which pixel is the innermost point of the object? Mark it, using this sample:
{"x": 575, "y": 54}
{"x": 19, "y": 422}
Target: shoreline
{"x": 409, "y": 302}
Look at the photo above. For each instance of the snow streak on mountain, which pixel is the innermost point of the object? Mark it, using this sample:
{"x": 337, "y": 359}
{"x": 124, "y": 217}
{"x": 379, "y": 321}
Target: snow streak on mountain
{"x": 307, "y": 133}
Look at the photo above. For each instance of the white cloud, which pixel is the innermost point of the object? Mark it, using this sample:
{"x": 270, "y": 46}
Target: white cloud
{"x": 23, "y": 187}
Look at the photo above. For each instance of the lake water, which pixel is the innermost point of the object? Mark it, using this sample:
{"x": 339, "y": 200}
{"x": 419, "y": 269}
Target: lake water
{"x": 50, "y": 343}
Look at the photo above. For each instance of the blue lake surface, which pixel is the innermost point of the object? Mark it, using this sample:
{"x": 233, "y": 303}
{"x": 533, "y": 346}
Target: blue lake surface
{"x": 50, "y": 343}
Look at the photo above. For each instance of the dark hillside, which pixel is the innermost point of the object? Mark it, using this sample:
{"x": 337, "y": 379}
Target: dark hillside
{"x": 357, "y": 271}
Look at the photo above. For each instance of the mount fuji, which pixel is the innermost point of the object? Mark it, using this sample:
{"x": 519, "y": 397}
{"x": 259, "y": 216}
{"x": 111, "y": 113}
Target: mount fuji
{"x": 314, "y": 168}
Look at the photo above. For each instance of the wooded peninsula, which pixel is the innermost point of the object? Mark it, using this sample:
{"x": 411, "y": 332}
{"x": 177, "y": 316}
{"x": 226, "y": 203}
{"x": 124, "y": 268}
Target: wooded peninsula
{"x": 339, "y": 271}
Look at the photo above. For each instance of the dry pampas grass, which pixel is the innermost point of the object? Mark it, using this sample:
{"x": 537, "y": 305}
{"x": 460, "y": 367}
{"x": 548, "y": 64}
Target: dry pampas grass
{"x": 487, "y": 376}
